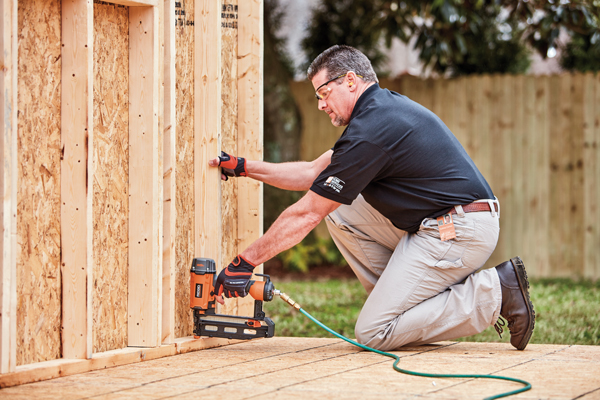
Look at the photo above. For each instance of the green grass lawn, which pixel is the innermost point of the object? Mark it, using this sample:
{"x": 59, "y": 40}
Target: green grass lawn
{"x": 568, "y": 312}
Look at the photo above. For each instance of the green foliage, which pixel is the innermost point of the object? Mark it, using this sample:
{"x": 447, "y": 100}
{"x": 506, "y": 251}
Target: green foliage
{"x": 350, "y": 22}
{"x": 566, "y": 310}
{"x": 335, "y": 303}
{"x": 582, "y": 53}
{"x": 282, "y": 121}
{"x": 566, "y": 313}
{"x": 456, "y": 36}
{"x": 310, "y": 252}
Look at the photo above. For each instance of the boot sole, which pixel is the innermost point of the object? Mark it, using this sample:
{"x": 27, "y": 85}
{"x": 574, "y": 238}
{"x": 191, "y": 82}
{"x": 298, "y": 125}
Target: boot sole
{"x": 524, "y": 286}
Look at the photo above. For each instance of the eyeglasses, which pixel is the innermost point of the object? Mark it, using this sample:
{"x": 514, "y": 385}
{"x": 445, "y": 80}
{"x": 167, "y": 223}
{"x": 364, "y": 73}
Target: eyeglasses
{"x": 322, "y": 94}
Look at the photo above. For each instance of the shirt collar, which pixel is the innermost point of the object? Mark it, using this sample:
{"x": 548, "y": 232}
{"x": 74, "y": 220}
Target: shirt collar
{"x": 364, "y": 97}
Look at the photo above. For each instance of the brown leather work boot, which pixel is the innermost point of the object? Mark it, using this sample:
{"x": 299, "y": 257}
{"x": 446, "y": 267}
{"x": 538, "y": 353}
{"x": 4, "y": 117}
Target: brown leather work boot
{"x": 516, "y": 307}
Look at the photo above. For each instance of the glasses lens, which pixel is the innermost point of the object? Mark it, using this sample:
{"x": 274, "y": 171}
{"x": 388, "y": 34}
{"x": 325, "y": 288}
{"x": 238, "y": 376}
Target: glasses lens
{"x": 323, "y": 93}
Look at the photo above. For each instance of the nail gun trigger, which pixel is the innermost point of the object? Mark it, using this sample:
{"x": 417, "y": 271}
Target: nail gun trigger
{"x": 253, "y": 323}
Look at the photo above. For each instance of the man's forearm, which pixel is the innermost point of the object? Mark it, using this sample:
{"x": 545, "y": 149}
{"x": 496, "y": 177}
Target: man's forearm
{"x": 290, "y": 175}
{"x": 290, "y": 228}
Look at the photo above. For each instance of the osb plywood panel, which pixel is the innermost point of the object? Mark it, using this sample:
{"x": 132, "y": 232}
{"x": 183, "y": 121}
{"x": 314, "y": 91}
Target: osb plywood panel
{"x": 111, "y": 155}
{"x": 229, "y": 37}
{"x": 38, "y": 197}
{"x": 184, "y": 153}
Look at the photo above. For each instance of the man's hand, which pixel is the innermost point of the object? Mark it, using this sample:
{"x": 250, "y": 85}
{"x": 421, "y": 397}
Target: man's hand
{"x": 230, "y": 165}
{"x": 232, "y": 281}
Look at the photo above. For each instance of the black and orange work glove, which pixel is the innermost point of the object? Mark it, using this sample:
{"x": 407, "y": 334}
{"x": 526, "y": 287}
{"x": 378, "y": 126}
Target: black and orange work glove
{"x": 232, "y": 166}
{"x": 233, "y": 280}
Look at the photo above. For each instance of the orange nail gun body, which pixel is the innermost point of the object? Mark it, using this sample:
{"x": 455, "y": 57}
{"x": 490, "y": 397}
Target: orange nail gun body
{"x": 202, "y": 301}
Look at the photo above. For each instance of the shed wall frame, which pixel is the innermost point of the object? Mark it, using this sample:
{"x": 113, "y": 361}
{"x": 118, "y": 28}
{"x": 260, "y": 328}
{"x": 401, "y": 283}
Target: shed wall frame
{"x": 152, "y": 176}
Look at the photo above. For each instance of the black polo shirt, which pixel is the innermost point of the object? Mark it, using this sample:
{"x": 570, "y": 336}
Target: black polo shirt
{"x": 403, "y": 159}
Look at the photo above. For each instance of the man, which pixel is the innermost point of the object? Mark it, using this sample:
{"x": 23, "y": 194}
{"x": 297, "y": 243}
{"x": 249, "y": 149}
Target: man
{"x": 381, "y": 189}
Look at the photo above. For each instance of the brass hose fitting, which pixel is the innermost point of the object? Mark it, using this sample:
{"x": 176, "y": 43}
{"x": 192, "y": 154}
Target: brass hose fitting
{"x": 287, "y": 299}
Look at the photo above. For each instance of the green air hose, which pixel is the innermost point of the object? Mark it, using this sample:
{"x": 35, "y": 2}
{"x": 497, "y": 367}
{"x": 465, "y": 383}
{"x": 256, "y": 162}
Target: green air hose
{"x": 291, "y": 302}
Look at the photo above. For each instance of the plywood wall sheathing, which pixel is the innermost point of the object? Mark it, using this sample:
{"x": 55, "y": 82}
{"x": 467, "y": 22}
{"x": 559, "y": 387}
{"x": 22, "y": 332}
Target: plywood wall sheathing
{"x": 38, "y": 207}
{"x": 111, "y": 176}
{"x": 250, "y": 124}
{"x": 76, "y": 177}
{"x": 8, "y": 183}
{"x": 169, "y": 174}
{"x": 183, "y": 20}
{"x": 144, "y": 288}
{"x": 229, "y": 130}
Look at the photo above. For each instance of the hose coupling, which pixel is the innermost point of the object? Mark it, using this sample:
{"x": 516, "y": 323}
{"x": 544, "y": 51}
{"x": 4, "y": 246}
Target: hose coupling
{"x": 288, "y": 300}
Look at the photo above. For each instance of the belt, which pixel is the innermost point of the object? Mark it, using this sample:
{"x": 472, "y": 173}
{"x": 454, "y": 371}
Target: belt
{"x": 475, "y": 207}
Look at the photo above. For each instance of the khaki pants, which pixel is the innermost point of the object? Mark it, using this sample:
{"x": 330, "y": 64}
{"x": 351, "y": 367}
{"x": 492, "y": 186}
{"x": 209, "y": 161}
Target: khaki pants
{"x": 421, "y": 290}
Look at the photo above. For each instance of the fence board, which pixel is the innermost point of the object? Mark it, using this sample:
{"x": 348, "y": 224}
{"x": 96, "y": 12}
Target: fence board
{"x": 515, "y": 169}
{"x": 596, "y": 273}
{"x": 483, "y": 111}
{"x": 460, "y": 111}
{"x": 591, "y": 162}
{"x": 535, "y": 139}
{"x": 530, "y": 205}
{"x": 501, "y": 125}
{"x": 563, "y": 159}
{"x": 576, "y": 194}
{"x": 542, "y": 173}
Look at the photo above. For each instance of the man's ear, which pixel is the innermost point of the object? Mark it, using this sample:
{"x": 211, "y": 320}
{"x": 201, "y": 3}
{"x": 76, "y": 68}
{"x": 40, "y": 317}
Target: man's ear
{"x": 352, "y": 80}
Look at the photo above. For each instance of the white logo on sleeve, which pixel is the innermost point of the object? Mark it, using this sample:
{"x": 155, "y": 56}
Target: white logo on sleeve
{"x": 335, "y": 183}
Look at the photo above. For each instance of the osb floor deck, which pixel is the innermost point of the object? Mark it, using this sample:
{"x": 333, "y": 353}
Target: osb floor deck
{"x": 307, "y": 368}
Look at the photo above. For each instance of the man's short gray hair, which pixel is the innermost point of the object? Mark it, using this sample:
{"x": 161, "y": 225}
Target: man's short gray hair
{"x": 338, "y": 60}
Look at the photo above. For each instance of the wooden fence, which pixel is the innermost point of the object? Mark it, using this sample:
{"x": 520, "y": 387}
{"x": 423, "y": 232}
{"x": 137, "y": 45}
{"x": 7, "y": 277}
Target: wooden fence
{"x": 535, "y": 139}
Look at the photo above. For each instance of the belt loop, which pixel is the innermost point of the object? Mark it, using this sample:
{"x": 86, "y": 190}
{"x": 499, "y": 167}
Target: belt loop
{"x": 460, "y": 211}
{"x": 498, "y": 203}
{"x": 493, "y": 209}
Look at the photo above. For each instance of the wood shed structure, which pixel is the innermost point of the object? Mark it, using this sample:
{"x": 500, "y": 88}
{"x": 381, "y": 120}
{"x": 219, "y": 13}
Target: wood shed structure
{"x": 110, "y": 111}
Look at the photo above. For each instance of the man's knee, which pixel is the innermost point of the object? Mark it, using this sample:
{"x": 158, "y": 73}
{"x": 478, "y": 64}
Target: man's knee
{"x": 369, "y": 334}
{"x": 380, "y": 334}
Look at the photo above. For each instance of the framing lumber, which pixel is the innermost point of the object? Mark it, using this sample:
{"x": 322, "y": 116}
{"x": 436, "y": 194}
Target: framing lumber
{"x": 64, "y": 367}
{"x": 144, "y": 288}
{"x": 207, "y": 128}
{"x": 76, "y": 177}
{"x": 8, "y": 185}
{"x": 160, "y": 27}
{"x": 134, "y": 3}
{"x": 228, "y": 142}
{"x": 250, "y": 124}
{"x": 169, "y": 178}
{"x": 183, "y": 164}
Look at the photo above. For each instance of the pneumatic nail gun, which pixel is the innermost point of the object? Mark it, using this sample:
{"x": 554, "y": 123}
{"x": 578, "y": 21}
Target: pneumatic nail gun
{"x": 202, "y": 301}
